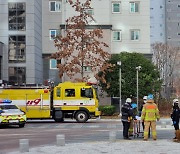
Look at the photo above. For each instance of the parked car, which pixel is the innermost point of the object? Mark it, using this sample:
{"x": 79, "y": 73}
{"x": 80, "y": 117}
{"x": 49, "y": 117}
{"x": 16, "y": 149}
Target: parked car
{"x": 11, "y": 114}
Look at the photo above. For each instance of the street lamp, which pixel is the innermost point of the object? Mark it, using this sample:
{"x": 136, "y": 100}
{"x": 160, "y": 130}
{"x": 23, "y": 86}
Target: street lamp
{"x": 138, "y": 68}
{"x": 120, "y": 103}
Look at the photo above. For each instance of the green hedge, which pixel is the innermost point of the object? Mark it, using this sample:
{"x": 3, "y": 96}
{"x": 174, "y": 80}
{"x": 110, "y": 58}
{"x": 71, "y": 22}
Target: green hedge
{"x": 107, "y": 110}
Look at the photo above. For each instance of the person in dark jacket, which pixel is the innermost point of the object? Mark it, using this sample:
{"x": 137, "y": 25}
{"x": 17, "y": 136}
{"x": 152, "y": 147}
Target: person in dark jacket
{"x": 175, "y": 115}
{"x": 127, "y": 116}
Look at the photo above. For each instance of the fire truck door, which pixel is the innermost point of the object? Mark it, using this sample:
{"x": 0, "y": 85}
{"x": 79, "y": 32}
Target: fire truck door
{"x": 37, "y": 106}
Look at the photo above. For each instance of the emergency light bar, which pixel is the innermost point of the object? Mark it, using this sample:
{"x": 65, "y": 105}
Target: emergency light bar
{"x": 5, "y": 101}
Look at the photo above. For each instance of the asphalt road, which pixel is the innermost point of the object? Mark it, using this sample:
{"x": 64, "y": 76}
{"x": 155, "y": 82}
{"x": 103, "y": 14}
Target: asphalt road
{"x": 44, "y": 132}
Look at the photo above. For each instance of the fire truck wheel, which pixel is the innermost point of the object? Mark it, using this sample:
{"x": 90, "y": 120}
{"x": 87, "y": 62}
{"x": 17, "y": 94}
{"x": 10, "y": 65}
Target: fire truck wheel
{"x": 21, "y": 125}
{"x": 81, "y": 116}
{"x": 58, "y": 116}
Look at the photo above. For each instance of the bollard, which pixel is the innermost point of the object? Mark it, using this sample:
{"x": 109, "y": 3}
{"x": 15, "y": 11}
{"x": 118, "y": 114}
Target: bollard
{"x": 24, "y": 145}
{"x": 163, "y": 124}
{"x": 98, "y": 118}
{"x": 112, "y": 136}
{"x": 60, "y": 139}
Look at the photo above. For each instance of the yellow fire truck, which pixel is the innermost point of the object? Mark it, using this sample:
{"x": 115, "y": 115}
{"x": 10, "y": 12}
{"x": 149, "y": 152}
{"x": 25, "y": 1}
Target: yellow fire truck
{"x": 75, "y": 100}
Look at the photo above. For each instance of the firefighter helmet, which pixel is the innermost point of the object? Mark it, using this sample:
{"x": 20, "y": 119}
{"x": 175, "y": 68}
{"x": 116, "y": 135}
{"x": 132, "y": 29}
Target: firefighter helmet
{"x": 145, "y": 98}
{"x": 175, "y": 101}
{"x": 128, "y": 100}
{"x": 150, "y": 97}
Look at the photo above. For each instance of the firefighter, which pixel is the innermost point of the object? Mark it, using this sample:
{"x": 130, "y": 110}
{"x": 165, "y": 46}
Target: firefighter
{"x": 150, "y": 114}
{"x": 127, "y": 115}
{"x": 175, "y": 115}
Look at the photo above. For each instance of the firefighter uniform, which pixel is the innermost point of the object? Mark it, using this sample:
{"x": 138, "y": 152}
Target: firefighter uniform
{"x": 127, "y": 115}
{"x": 131, "y": 128}
{"x": 150, "y": 114}
{"x": 175, "y": 115}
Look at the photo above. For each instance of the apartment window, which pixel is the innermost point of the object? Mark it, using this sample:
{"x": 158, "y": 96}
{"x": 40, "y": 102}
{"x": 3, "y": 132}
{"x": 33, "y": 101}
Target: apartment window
{"x": 17, "y": 48}
{"x": 87, "y": 68}
{"x": 17, "y": 16}
{"x": 116, "y": 35}
{"x": 134, "y": 7}
{"x": 55, "y": 6}
{"x": 135, "y": 34}
{"x": 90, "y": 11}
{"x": 53, "y": 64}
{"x": 17, "y": 75}
{"x": 116, "y": 7}
{"x": 53, "y": 33}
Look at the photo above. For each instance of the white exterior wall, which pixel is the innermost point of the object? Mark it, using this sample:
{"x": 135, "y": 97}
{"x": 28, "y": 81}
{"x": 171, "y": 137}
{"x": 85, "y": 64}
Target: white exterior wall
{"x": 124, "y": 21}
{"x": 102, "y": 12}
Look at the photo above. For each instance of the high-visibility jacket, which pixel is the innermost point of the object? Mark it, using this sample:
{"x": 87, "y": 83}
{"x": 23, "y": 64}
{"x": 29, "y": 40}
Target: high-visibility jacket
{"x": 150, "y": 111}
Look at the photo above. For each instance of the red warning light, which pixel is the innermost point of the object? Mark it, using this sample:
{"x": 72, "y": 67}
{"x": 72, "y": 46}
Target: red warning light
{"x": 46, "y": 90}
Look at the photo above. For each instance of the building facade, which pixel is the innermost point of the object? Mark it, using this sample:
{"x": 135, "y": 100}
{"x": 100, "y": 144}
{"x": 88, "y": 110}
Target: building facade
{"x": 1, "y": 54}
{"x": 21, "y": 34}
{"x": 173, "y": 22}
{"x": 28, "y": 29}
{"x": 125, "y": 24}
{"x": 165, "y": 25}
{"x": 157, "y": 21}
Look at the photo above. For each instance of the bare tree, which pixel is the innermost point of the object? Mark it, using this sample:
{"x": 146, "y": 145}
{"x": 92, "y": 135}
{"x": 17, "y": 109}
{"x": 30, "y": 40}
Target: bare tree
{"x": 177, "y": 86}
{"x": 165, "y": 57}
{"x": 177, "y": 77}
{"x": 81, "y": 47}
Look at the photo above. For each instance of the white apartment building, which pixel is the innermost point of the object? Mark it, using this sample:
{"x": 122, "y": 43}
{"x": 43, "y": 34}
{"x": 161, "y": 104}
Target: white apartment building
{"x": 128, "y": 20}
{"x": 126, "y": 26}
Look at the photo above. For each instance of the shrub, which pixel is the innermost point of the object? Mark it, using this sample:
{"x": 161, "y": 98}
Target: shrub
{"x": 107, "y": 110}
{"x": 165, "y": 107}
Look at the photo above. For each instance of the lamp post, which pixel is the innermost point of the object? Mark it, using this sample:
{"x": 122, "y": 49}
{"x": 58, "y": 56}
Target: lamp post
{"x": 137, "y": 80}
{"x": 120, "y": 103}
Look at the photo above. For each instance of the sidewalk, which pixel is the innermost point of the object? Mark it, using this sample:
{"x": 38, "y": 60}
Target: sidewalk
{"x": 118, "y": 147}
